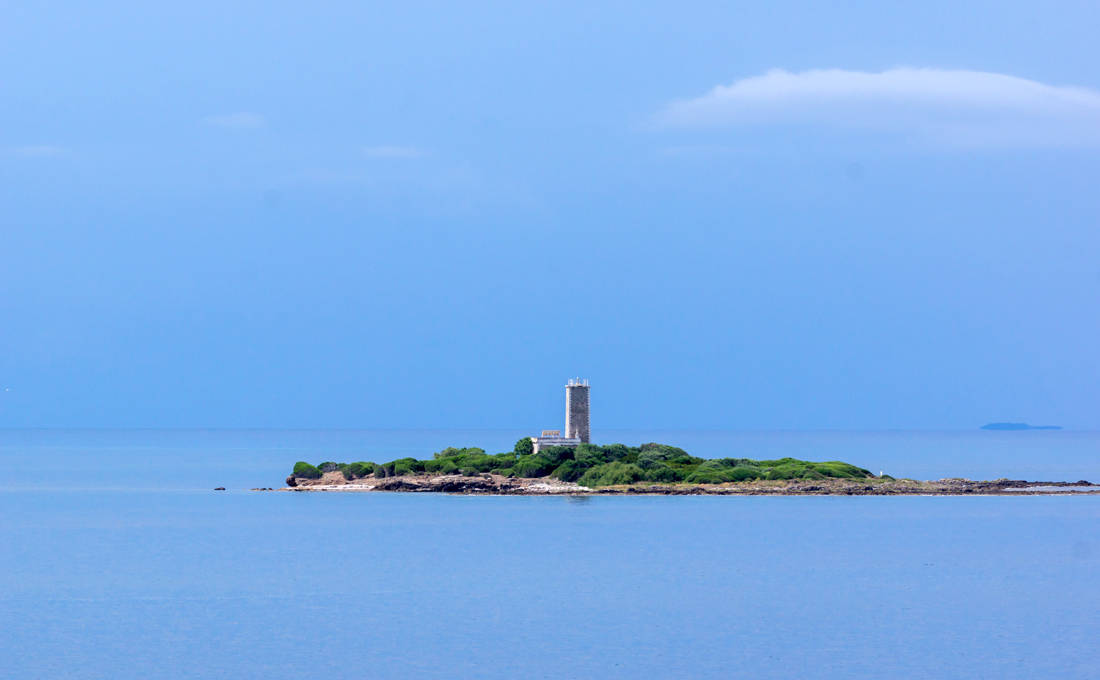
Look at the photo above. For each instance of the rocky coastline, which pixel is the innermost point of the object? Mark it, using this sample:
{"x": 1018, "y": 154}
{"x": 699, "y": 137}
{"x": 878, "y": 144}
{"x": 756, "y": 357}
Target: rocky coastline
{"x": 490, "y": 484}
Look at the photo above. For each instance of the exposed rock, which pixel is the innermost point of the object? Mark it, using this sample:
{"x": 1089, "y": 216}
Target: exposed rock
{"x": 484, "y": 483}
{"x": 466, "y": 485}
{"x": 397, "y": 484}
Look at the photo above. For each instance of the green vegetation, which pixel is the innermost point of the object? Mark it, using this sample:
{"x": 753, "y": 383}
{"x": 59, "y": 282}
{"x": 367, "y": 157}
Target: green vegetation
{"x": 591, "y": 465}
{"x": 524, "y": 447}
{"x": 610, "y": 474}
{"x": 305, "y": 470}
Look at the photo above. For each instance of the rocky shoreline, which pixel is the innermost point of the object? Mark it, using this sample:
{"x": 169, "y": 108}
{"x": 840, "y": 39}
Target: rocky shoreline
{"x": 489, "y": 484}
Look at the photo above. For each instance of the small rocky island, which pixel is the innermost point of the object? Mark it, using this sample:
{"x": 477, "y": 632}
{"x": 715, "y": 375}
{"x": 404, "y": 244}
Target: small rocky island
{"x": 619, "y": 469}
{"x": 1016, "y": 427}
{"x": 554, "y": 463}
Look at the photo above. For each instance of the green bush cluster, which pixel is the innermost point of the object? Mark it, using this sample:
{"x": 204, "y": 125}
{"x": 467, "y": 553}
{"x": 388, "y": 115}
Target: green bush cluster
{"x": 349, "y": 470}
{"x": 592, "y": 465}
{"x": 524, "y": 447}
{"x": 610, "y": 474}
{"x": 743, "y": 469}
{"x": 357, "y": 470}
{"x": 305, "y": 470}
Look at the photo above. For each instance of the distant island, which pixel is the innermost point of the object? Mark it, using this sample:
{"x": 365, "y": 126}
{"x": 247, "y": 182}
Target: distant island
{"x": 1018, "y": 426}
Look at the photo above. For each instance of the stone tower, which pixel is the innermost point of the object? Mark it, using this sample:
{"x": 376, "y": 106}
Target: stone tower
{"x": 576, "y": 409}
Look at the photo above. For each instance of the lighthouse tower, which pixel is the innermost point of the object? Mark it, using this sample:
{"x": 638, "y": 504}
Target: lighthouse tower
{"x": 576, "y": 410}
{"x": 576, "y": 419}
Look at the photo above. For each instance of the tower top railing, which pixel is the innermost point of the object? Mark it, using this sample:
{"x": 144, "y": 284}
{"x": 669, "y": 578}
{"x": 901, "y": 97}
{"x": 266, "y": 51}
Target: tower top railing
{"x": 577, "y": 382}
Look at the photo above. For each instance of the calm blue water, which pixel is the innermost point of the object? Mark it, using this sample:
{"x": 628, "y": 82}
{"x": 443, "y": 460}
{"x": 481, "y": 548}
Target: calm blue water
{"x": 117, "y": 561}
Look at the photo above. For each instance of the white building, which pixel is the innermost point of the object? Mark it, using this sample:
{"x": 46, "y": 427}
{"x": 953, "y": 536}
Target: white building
{"x": 553, "y": 438}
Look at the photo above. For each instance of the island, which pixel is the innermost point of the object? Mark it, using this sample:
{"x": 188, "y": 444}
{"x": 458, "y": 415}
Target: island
{"x": 619, "y": 469}
{"x": 1012, "y": 427}
{"x": 558, "y": 462}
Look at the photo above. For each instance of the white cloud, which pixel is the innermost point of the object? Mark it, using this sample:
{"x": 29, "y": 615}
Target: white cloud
{"x": 39, "y": 151}
{"x": 954, "y": 106}
{"x": 394, "y": 152}
{"x": 241, "y": 119}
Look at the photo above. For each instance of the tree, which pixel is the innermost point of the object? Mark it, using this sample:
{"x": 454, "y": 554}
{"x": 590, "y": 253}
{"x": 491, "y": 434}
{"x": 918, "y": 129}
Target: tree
{"x": 304, "y": 469}
{"x": 525, "y": 447}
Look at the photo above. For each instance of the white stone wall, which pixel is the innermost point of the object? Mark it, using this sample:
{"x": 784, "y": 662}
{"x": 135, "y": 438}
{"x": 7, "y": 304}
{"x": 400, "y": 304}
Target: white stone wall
{"x": 546, "y": 442}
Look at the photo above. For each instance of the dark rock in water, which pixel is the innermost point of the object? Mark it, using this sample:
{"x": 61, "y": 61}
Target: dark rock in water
{"x": 219, "y": 488}
{"x": 290, "y": 481}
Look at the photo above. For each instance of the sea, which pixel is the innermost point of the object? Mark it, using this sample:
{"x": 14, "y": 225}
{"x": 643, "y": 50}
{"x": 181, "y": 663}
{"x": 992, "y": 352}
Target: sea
{"x": 119, "y": 560}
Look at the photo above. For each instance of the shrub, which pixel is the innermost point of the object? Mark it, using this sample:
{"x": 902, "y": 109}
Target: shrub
{"x": 734, "y": 462}
{"x": 784, "y": 468}
{"x": 685, "y": 460}
{"x": 524, "y": 447}
{"x": 405, "y": 466}
{"x": 743, "y": 473}
{"x": 651, "y": 454}
{"x": 613, "y": 452}
{"x": 660, "y": 472}
{"x": 306, "y": 471}
{"x": 664, "y": 452}
{"x": 557, "y": 454}
{"x": 720, "y": 470}
{"x": 533, "y": 466}
{"x": 328, "y": 466}
{"x": 589, "y": 455}
{"x": 707, "y": 475}
{"x": 613, "y": 473}
{"x": 451, "y": 452}
{"x": 569, "y": 471}
{"x": 502, "y": 461}
{"x": 441, "y": 466}
{"x": 476, "y": 462}
{"x": 357, "y": 470}
{"x": 835, "y": 468}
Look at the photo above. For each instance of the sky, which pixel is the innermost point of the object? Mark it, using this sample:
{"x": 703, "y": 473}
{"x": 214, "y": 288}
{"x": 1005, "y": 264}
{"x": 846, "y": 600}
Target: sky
{"x": 780, "y": 215}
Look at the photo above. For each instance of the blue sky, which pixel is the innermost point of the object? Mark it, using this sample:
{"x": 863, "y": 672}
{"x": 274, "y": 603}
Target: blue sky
{"x": 765, "y": 215}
